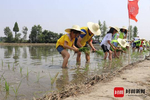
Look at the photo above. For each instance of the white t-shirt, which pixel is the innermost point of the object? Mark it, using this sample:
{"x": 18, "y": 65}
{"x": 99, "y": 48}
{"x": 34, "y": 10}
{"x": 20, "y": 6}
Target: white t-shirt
{"x": 136, "y": 38}
{"x": 107, "y": 37}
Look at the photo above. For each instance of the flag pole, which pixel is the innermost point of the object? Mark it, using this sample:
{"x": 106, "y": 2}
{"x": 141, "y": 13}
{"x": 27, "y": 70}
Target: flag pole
{"x": 129, "y": 43}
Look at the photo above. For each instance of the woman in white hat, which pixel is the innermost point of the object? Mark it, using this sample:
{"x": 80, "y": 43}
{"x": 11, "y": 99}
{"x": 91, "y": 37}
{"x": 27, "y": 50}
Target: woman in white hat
{"x": 106, "y": 42}
{"x": 91, "y": 30}
{"x": 123, "y": 32}
{"x": 67, "y": 42}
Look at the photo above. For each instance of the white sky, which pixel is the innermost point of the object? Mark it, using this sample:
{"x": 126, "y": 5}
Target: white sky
{"x": 57, "y": 15}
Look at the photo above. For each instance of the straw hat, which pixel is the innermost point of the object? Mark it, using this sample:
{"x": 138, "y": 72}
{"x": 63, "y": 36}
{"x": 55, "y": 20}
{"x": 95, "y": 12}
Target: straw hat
{"x": 142, "y": 39}
{"x": 122, "y": 42}
{"x": 128, "y": 44}
{"x": 124, "y": 27}
{"x": 115, "y": 27}
{"x": 94, "y": 28}
{"x": 74, "y": 27}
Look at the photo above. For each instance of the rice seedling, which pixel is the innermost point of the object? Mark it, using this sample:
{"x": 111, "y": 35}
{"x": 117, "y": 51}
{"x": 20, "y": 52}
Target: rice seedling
{"x": 86, "y": 69}
{"x": 13, "y": 67}
{"x": 8, "y": 66}
{"x": 2, "y": 63}
{"x": 85, "y": 50}
{"x": 6, "y": 86}
{"x": 21, "y": 71}
{"x": 99, "y": 52}
{"x": 53, "y": 79}
{"x": 38, "y": 76}
{"x": 1, "y": 77}
{"x": 27, "y": 72}
{"x": 17, "y": 88}
{"x": 52, "y": 59}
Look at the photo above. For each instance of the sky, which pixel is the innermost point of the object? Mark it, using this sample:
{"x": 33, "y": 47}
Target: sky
{"x": 57, "y": 15}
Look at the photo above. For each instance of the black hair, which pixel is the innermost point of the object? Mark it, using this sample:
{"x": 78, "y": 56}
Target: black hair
{"x": 75, "y": 31}
{"x": 124, "y": 31}
{"x": 111, "y": 30}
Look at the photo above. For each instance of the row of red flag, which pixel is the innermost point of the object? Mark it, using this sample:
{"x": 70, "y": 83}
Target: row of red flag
{"x": 133, "y": 9}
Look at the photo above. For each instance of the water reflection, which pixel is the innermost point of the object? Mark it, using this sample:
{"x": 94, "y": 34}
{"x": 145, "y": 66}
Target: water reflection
{"x": 8, "y": 51}
{"x": 62, "y": 80}
{"x": 16, "y": 54}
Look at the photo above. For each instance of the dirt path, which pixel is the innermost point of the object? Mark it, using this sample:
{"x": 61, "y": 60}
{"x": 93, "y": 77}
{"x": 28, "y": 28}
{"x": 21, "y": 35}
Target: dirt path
{"x": 134, "y": 77}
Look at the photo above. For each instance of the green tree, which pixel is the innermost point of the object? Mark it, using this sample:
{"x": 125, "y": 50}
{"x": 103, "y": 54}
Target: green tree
{"x": 35, "y": 32}
{"x": 18, "y": 37}
{"x": 9, "y": 35}
{"x": 16, "y": 28}
{"x": 130, "y": 31}
{"x": 24, "y": 31}
{"x": 104, "y": 29}
{"x": 135, "y": 31}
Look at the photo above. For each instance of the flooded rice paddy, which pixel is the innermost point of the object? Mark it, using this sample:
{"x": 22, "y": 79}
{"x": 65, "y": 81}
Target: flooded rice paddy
{"x": 33, "y": 71}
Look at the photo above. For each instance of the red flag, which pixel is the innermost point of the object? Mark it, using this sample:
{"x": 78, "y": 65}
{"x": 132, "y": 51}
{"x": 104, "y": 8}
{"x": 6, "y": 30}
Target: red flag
{"x": 133, "y": 9}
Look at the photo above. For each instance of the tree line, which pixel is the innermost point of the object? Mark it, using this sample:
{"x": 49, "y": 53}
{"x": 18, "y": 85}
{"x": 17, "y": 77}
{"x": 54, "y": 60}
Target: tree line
{"x": 37, "y": 35}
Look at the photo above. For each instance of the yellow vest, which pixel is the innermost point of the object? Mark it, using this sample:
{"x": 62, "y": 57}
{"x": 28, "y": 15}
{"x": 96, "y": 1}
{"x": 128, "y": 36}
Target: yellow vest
{"x": 121, "y": 35}
{"x": 64, "y": 38}
{"x": 87, "y": 37}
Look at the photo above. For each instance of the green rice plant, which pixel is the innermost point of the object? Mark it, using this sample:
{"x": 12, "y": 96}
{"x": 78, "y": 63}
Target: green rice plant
{"x": 2, "y": 63}
{"x": 52, "y": 60}
{"x": 38, "y": 77}
{"x": 27, "y": 72}
{"x": 27, "y": 76}
{"x": 17, "y": 88}
{"x": 13, "y": 67}
{"x": 53, "y": 79}
{"x": 8, "y": 66}
{"x": 85, "y": 50}
{"x": 21, "y": 70}
{"x": 86, "y": 69}
{"x": 100, "y": 52}
{"x": 6, "y": 86}
{"x": 1, "y": 77}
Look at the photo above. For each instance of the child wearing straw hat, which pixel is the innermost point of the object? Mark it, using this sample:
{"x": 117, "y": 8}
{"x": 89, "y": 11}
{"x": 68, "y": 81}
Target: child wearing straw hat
{"x": 91, "y": 30}
{"x": 123, "y": 33}
{"x": 67, "y": 42}
{"x": 136, "y": 43}
{"x": 106, "y": 42}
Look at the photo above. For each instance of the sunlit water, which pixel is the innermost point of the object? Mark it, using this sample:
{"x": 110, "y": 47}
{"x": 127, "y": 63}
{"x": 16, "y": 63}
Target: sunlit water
{"x": 32, "y": 71}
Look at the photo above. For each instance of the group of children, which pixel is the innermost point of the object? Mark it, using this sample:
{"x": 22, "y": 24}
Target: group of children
{"x": 139, "y": 44}
{"x": 114, "y": 41}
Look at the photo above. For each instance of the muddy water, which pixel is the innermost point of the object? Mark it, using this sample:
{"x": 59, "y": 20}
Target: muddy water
{"x": 32, "y": 71}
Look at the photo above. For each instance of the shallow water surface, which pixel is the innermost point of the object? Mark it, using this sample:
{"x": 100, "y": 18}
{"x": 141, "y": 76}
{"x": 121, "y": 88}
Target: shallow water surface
{"x": 32, "y": 71}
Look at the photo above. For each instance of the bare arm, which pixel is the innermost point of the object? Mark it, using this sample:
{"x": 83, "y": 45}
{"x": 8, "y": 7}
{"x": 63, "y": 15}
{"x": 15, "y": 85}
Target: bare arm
{"x": 68, "y": 47}
{"x": 125, "y": 35}
{"x": 91, "y": 44}
{"x": 111, "y": 44}
{"x": 113, "y": 48}
{"x": 79, "y": 42}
